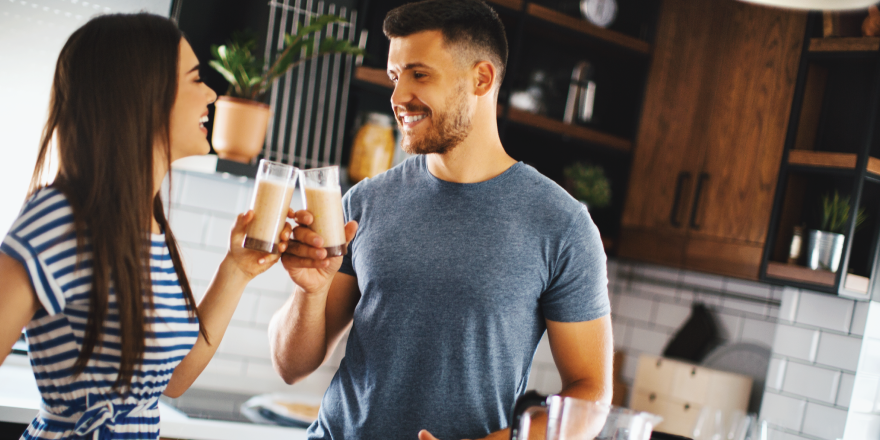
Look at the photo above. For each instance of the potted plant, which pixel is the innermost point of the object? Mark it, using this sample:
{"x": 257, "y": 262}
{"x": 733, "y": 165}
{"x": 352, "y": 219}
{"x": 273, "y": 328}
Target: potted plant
{"x": 240, "y": 118}
{"x": 588, "y": 184}
{"x": 825, "y": 245}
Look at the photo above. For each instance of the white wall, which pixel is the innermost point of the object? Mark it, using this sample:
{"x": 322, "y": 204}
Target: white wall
{"x": 32, "y": 33}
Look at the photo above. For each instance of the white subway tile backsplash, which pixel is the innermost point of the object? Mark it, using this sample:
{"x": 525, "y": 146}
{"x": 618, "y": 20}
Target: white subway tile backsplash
{"x": 266, "y": 308}
{"x": 671, "y": 315}
{"x": 551, "y": 382}
{"x": 244, "y": 312}
{"x": 747, "y": 288}
{"x": 243, "y": 341}
{"x": 824, "y": 422}
{"x": 783, "y": 411}
{"x": 751, "y": 307}
{"x": 543, "y": 353}
{"x": 620, "y": 333}
{"x": 213, "y": 194}
{"x": 844, "y": 395}
{"x": 811, "y": 381}
{"x": 796, "y": 342}
{"x": 630, "y": 365}
{"x": 635, "y": 308}
{"x": 872, "y": 324}
{"x": 648, "y": 341}
{"x": 860, "y": 426}
{"x": 869, "y": 358}
{"x": 661, "y": 273}
{"x": 864, "y": 393}
{"x": 200, "y": 264}
{"x": 218, "y": 231}
{"x": 706, "y": 281}
{"x": 665, "y": 292}
{"x": 188, "y": 227}
{"x": 686, "y": 295}
{"x": 860, "y": 318}
{"x": 760, "y": 332}
{"x": 839, "y": 351}
{"x": 788, "y": 307}
{"x": 826, "y": 311}
{"x": 775, "y": 373}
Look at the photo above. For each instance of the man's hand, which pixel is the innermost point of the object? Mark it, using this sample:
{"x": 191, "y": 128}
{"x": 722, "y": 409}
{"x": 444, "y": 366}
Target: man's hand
{"x": 306, "y": 260}
{"x": 250, "y": 262}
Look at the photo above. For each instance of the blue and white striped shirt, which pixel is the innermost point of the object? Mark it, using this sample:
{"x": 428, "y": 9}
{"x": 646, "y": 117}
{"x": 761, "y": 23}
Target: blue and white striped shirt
{"x": 43, "y": 240}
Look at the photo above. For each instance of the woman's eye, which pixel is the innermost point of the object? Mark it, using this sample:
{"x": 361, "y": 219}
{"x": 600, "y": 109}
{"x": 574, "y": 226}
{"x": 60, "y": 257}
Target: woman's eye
{"x": 199, "y": 80}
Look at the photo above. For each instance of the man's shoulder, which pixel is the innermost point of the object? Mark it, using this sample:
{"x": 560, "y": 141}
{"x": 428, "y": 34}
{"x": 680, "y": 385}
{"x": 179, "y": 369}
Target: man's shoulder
{"x": 402, "y": 173}
{"x": 543, "y": 192}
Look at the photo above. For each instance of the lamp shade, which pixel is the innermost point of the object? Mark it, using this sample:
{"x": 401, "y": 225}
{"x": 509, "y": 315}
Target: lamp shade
{"x": 820, "y": 5}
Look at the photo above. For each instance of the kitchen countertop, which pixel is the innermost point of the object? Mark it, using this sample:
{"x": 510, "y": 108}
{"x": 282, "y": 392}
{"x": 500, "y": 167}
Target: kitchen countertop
{"x": 20, "y": 402}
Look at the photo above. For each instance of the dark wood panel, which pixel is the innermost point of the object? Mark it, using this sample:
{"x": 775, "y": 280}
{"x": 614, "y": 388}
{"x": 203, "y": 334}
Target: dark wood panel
{"x": 675, "y": 99}
{"x": 516, "y": 5}
{"x": 373, "y": 76}
{"x": 759, "y": 51}
{"x": 575, "y": 131}
{"x": 800, "y": 273}
{"x": 811, "y": 108}
{"x": 651, "y": 246}
{"x": 735, "y": 259}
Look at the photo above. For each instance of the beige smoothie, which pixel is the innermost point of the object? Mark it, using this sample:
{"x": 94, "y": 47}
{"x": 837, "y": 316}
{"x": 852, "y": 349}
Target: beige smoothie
{"x": 325, "y": 204}
{"x": 271, "y": 201}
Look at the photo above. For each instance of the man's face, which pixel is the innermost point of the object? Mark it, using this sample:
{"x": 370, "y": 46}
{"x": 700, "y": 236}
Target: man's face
{"x": 430, "y": 99}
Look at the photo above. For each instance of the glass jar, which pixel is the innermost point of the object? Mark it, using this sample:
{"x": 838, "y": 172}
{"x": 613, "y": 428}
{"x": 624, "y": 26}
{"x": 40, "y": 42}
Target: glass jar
{"x": 373, "y": 148}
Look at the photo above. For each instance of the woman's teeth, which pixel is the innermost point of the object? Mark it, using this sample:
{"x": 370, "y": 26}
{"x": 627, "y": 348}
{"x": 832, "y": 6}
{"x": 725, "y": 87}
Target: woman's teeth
{"x": 408, "y": 119}
{"x": 202, "y": 121}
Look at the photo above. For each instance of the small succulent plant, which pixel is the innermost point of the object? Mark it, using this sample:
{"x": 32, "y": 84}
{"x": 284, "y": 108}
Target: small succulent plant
{"x": 835, "y": 213}
{"x": 588, "y": 183}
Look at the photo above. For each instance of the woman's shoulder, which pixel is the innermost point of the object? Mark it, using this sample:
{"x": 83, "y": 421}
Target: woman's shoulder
{"x": 46, "y": 208}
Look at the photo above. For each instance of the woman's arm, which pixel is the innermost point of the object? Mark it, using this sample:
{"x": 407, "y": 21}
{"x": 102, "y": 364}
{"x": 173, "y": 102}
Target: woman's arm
{"x": 217, "y": 306}
{"x": 18, "y": 302}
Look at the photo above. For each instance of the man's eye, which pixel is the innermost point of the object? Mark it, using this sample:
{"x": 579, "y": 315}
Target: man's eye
{"x": 418, "y": 75}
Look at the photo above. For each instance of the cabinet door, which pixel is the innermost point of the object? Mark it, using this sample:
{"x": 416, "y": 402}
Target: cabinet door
{"x": 758, "y": 51}
{"x": 666, "y": 160}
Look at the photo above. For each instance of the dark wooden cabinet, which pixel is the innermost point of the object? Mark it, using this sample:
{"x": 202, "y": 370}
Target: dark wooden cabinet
{"x": 712, "y": 131}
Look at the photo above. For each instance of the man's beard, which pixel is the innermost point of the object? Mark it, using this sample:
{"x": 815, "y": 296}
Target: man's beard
{"x": 449, "y": 128}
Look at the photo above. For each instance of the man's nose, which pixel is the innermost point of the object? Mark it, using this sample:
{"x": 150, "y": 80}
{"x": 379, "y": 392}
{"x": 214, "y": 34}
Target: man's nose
{"x": 401, "y": 95}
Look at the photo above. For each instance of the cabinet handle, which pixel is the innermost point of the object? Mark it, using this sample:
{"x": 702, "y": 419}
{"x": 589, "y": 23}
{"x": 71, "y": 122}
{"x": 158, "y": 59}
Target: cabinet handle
{"x": 703, "y": 178}
{"x": 679, "y": 184}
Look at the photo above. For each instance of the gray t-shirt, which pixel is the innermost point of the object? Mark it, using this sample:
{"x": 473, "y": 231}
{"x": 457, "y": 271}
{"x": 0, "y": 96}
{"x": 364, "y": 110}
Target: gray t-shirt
{"x": 456, "y": 281}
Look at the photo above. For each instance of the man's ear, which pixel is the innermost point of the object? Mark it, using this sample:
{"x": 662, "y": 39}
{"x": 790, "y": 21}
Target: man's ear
{"x": 484, "y": 78}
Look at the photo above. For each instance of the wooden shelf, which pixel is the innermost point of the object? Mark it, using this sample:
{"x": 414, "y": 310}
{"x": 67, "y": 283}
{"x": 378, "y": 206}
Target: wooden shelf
{"x": 575, "y": 131}
{"x": 587, "y": 28}
{"x": 822, "y": 159}
{"x": 800, "y": 273}
{"x": 856, "y": 44}
{"x": 373, "y": 76}
{"x": 825, "y": 159}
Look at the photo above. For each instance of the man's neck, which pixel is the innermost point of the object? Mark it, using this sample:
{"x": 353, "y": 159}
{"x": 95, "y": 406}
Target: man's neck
{"x": 480, "y": 157}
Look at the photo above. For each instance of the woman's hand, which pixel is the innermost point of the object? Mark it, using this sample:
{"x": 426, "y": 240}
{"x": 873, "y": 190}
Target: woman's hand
{"x": 306, "y": 260}
{"x": 252, "y": 263}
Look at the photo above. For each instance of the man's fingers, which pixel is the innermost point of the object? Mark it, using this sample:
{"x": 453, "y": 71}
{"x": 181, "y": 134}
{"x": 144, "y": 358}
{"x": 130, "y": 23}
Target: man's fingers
{"x": 303, "y": 217}
{"x": 425, "y": 435}
{"x": 298, "y": 249}
{"x": 293, "y": 262}
{"x": 350, "y": 230}
{"x": 307, "y": 236}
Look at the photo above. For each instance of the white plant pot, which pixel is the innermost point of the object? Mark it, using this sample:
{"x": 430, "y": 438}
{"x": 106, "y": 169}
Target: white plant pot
{"x": 824, "y": 250}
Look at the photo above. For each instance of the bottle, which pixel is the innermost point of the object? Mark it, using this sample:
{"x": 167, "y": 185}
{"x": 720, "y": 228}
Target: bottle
{"x": 797, "y": 239}
{"x": 373, "y": 148}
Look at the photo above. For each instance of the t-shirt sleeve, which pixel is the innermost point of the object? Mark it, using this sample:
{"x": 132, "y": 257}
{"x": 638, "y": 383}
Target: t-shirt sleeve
{"x": 45, "y": 222}
{"x": 347, "y": 266}
{"x": 578, "y": 289}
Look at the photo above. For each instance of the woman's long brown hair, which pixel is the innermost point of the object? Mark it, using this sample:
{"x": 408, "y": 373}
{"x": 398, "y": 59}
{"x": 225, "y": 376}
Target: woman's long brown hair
{"x": 114, "y": 86}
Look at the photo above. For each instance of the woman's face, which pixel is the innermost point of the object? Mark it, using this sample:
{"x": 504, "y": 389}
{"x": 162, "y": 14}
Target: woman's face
{"x": 190, "y": 111}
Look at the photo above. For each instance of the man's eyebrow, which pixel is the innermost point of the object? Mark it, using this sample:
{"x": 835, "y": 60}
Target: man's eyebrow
{"x": 411, "y": 66}
{"x": 194, "y": 69}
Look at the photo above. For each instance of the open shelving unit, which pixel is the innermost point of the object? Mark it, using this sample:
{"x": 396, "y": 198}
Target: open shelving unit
{"x": 832, "y": 145}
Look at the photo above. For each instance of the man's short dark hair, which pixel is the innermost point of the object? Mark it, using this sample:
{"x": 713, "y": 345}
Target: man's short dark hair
{"x": 470, "y": 24}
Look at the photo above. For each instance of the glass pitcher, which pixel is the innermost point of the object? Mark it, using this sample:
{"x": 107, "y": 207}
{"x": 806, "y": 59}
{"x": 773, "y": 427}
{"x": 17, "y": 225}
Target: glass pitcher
{"x": 575, "y": 419}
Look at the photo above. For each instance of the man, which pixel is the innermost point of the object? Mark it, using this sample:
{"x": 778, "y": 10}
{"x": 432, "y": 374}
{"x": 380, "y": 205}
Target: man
{"x": 462, "y": 258}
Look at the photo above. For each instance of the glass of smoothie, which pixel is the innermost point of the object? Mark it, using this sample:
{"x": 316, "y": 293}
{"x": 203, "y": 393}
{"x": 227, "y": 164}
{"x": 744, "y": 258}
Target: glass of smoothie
{"x": 322, "y": 196}
{"x": 272, "y": 193}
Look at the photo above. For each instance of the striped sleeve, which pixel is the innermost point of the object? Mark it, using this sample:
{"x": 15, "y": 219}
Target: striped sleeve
{"x": 42, "y": 234}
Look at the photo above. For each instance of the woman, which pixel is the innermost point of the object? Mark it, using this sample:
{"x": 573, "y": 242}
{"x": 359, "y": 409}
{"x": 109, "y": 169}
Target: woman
{"x": 106, "y": 336}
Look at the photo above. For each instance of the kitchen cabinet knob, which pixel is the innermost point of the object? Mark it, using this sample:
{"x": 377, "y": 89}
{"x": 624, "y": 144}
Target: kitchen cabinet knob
{"x": 676, "y": 202}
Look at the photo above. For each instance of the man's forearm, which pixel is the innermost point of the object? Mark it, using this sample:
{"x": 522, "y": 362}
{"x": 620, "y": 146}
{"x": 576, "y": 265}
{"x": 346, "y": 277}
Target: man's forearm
{"x": 297, "y": 335}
